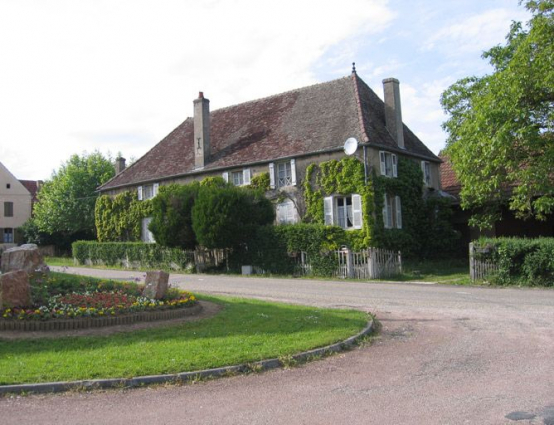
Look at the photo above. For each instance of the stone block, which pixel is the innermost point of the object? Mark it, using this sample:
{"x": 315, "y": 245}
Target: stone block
{"x": 25, "y": 257}
{"x": 15, "y": 290}
{"x": 156, "y": 284}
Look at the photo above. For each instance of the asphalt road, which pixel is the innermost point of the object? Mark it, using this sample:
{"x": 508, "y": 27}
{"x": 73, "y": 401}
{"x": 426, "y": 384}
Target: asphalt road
{"x": 446, "y": 355}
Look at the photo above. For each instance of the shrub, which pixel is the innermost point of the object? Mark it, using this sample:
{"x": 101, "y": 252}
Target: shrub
{"x": 131, "y": 254}
{"x": 171, "y": 222}
{"x": 227, "y": 217}
{"x": 519, "y": 260}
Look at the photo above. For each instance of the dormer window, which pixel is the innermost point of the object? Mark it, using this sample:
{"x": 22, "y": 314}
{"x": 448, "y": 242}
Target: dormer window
{"x": 389, "y": 167}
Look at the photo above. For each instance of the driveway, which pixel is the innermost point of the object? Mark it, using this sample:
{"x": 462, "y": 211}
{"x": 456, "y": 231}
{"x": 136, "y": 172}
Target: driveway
{"x": 446, "y": 355}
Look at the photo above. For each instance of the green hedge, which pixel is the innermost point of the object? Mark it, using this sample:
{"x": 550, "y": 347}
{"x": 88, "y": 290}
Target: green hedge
{"x": 132, "y": 255}
{"x": 527, "y": 262}
{"x": 276, "y": 249}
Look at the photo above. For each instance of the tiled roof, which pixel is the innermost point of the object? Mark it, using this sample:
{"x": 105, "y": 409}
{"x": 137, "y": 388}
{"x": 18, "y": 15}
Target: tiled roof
{"x": 295, "y": 123}
{"x": 33, "y": 187}
{"x": 449, "y": 182}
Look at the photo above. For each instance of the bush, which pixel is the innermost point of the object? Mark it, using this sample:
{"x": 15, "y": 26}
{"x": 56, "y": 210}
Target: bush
{"x": 227, "y": 217}
{"x": 132, "y": 255}
{"x": 171, "y": 222}
{"x": 520, "y": 261}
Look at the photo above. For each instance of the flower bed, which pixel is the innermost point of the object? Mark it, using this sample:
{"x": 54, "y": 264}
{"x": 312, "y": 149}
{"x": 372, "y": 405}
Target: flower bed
{"x": 71, "y": 297}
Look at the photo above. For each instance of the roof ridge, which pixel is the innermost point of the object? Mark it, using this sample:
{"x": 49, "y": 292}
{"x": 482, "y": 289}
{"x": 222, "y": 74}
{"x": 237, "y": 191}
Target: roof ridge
{"x": 359, "y": 106}
{"x": 279, "y": 94}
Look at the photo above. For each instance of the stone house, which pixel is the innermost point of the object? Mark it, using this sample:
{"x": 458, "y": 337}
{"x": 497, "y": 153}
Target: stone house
{"x": 15, "y": 205}
{"x": 282, "y": 135}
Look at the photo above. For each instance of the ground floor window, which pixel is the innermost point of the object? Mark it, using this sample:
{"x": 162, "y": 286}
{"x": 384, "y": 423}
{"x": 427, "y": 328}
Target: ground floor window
{"x": 8, "y": 235}
{"x": 392, "y": 212}
{"x": 286, "y": 212}
{"x": 344, "y": 211}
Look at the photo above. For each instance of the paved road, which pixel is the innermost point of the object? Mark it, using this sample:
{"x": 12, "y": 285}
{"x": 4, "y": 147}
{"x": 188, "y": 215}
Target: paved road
{"x": 446, "y": 355}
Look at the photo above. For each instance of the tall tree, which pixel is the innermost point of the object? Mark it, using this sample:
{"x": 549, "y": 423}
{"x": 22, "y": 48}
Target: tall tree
{"x": 66, "y": 201}
{"x": 501, "y": 126}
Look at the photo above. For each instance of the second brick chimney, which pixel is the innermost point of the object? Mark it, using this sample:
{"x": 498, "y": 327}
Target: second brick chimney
{"x": 393, "y": 110}
{"x": 201, "y": 131}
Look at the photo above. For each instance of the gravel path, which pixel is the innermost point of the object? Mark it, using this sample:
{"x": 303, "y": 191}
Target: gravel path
{"x": 446, "y": 355}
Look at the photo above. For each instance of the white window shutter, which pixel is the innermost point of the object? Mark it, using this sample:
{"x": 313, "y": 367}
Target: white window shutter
{"x": 225, "y": 176}
{"x": 394, "y": 166}
{"x": 272, "y": 175}
{"x": 357, "y": 211}
{"x": 139, "y": 193}
{"x": 246, "y": 176}
{"x": 293, "y": 171}
{"x": 423, "y": 171}
{"x": 328, "y": 210}
{"x": 155, "y": 188}
{"x": 398, "y": 213}
{"x": 383, "y": 164}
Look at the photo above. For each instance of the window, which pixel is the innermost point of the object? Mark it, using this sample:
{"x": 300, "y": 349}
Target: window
{"x": 8, "y": 209}
{"x": 8, "y": 235}
{"x": 389, "y": 166}
{"x": 282, "y": 174}
{"x": 392, "y": 212}
{"x": 238, "y": 178}
{"x": 343, "y": 211}
{"x": 146, "y": 234}
{"x": 426, "y": 169}
{"x": 147, "y": 191}
{"x": 8, "y": 185}
{"x": 286, "y": 213}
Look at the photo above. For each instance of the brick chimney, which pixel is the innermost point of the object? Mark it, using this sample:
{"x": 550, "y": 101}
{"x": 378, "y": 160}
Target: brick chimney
{"x": 393, "y": 110}
{"x": 201, "y": 131}
{"x": 119, "y": 165}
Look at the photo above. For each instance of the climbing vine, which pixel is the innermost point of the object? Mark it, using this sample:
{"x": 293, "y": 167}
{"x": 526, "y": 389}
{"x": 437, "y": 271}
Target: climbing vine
{"x": 261, "y": 181}
{"x": 119, "y": 219}
{"x": 344, "y": 177}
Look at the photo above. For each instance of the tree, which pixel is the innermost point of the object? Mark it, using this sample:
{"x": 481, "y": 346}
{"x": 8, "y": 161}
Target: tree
{"x": 227, "y": 217}
{"x": 66, "y": 202}
{"x": 171, "y": 222}
{"x": 501, "y": 126}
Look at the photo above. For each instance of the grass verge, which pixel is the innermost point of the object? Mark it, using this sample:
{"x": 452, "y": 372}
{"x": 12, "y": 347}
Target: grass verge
{"x": 245, "y": 331}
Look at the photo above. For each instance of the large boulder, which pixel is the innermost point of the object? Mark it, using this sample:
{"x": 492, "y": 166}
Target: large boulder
{"x": 25, "y": 257}
{"x": 15, "y": 290}
{"x": 156, "y": 284}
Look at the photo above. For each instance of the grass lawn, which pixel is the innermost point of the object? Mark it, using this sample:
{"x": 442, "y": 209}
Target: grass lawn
{"x": 244, "y": 331}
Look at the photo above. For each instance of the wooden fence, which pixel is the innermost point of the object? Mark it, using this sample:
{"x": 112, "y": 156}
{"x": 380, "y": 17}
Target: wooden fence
{"x": 479, "y": 268}
{"x": 371, "y": 263}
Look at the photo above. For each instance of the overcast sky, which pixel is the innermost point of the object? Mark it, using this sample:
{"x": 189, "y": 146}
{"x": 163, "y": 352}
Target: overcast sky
{"x": 118, "y": 76}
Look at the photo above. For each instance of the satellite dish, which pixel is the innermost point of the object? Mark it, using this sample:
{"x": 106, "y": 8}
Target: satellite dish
{"x": 350, "y": 146}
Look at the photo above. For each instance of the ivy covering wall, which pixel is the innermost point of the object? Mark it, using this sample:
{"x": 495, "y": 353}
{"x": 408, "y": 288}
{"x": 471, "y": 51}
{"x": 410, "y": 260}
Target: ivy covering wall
{"x": 119, "y": 219}
{"x": 426, "y": 230}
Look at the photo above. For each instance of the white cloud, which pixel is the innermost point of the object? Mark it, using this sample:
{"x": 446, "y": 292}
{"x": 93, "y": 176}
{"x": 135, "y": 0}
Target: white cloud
{"x": 119, "y": 76}
{"x": 474, "y": 34}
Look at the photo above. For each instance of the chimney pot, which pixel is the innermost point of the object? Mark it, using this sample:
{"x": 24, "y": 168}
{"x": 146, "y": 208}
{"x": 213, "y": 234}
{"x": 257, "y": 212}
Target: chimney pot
{"x": 393, "y": 110}
{"x": 201, "y": 95}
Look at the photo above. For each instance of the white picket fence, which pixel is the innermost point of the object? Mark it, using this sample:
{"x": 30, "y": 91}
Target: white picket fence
{"x": 371, "y": 263}
{"x": 479, "y": 268}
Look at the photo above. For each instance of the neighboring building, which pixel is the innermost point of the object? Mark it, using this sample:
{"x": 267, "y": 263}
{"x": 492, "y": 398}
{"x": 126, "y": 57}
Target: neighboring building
{"x": 15, "y": 206}
{"x": 508, "y": 225}
{"x": 281, "y": 135}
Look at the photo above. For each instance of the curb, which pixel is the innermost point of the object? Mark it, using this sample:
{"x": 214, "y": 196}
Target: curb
{"x": 99, "y": 322}
{"x": 182, "y": 377}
